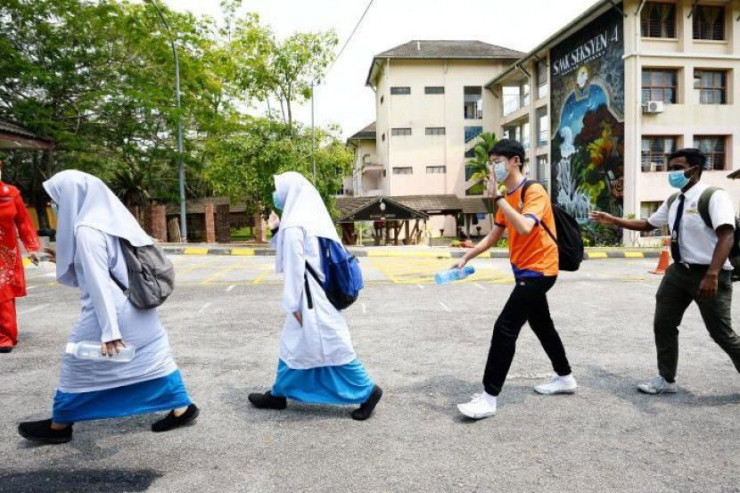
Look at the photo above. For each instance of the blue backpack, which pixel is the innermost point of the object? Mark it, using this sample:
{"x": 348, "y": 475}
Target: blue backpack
{"x": 342, "y": 275}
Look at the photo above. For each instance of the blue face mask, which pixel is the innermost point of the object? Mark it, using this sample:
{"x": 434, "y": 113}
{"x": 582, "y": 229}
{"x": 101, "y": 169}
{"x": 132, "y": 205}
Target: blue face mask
{"x": 499, "y": 169}
{"x": 678, "y": 178}
{"x": 276, "y": 201}
{"x": 55, "y": 208}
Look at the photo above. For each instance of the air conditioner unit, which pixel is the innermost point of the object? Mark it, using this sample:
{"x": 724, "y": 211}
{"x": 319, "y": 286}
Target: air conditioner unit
{"x": 653, "y": 107}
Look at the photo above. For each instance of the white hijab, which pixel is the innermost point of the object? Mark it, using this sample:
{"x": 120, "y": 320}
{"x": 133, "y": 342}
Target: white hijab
{"x": 84, "y": 200}
{"x": 302, "y": 208}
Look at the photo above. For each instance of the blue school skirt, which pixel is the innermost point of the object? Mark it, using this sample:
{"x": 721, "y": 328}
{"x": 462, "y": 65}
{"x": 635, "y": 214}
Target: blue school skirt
{"x": 159, "y": 394}
{"x": 340, "y": 385}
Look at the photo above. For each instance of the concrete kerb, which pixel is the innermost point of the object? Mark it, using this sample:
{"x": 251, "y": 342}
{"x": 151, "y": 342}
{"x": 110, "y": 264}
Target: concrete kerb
{"x": 614, "y": 253}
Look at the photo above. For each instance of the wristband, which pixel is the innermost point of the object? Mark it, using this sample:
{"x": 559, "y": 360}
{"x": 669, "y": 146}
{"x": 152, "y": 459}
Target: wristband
{"x": 497, "y": 198}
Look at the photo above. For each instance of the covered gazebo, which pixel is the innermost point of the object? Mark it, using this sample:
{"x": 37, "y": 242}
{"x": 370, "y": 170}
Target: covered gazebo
{"x": 386, "y": 213}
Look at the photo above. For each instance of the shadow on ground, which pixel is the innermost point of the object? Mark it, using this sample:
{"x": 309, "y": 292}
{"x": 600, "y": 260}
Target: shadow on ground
{"x": 82, "y": 480}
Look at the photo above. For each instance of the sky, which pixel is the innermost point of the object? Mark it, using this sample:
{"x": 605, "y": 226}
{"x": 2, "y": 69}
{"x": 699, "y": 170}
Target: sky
{"x": 343, "y": 98}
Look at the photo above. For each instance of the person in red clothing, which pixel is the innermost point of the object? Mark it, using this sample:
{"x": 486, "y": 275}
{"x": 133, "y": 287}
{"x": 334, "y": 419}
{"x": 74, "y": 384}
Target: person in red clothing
{"x": 14, "y": 222}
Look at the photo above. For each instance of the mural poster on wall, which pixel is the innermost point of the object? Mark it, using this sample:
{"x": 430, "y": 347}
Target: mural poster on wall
{"x": 587, "y": 113}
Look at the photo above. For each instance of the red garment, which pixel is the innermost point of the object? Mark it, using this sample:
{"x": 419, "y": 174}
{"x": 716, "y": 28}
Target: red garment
{"x": 8, "y": 324}
{"x": 14, "y": 222}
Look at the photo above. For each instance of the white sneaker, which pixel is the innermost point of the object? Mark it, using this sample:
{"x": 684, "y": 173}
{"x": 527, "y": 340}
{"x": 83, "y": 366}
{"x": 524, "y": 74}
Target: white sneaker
{"x": 657, "y": 385}
{"x": 558, "y": 385}
{"x": 482, "y": 406}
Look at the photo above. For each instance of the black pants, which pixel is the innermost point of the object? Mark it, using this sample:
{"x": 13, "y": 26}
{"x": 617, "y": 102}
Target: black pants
{"x": 527, "y": 303}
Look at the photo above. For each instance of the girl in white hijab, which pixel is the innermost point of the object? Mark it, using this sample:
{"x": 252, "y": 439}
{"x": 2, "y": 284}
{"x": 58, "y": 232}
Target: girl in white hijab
{"x": 317, "y": 361}
{"x": 90, "y": 222}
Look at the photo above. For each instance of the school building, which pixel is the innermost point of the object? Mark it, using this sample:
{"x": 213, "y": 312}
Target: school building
{"x": 598, "y": 106}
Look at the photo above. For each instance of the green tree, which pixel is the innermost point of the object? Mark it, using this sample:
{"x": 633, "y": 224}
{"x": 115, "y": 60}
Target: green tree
{"x": 242, "y": 165}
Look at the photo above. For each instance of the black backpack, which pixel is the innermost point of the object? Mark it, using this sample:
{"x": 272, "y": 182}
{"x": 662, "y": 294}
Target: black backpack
{"x": 151, "y": 275}
{"x": 568, "y": 240}
{"x": 703, "y": 207}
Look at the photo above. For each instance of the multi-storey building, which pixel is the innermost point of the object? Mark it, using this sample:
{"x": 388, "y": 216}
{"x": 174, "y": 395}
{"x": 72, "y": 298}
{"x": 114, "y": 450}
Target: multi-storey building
{"x": 431, "y": 106}
{"x": 602, "y": 102}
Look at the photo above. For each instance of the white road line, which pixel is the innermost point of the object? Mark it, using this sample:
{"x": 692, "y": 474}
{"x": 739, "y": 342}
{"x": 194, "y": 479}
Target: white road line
{"x": 420, "y": 286}
{"x": 447, "y": 309}
{"x": 230, "y": 288}
{"x": 34, "y": 309}
{"x": 479, "y": 286}
{"x": 364, "y": 308}
{"x": 203, "y": 308}
{"x": 29, "y": 288}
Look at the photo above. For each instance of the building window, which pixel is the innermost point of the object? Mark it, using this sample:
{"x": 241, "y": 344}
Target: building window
{"x": 398, "y": 132}
{"x": 473, "y": 103}
{"x": 543, "y": 127}
{"x": 436, "y": 170}
{"x": 472, "y": 132}
{"x": 543, "y": 170}
{"x": 714, "y": 148}
{"x": 403, "y": 170}
{"x": 434, "y": 90}
{"x": 659, "y": 85}
{"x": 435, "y": 131}
{"x": 399, "y": 91}
{"x": 712, "y": 85}
{"x": 543, "y": 88}
{"x": 709, "y": 22}
{"x": 647, "y": 209}
{"x": 658, "y": 20}
{"x": 515, "y": 97}
{"x": 655, "y": 151}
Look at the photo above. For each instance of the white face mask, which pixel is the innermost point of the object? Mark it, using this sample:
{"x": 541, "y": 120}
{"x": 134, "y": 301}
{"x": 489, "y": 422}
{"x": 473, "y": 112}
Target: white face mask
{"x": 55, "y": 207}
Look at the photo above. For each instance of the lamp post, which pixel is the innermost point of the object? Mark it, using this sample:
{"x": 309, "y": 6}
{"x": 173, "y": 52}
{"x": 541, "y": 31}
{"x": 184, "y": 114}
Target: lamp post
{"x": 181, "y": 166}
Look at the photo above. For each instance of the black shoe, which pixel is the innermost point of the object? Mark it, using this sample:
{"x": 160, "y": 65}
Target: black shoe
{"x": 268, "y": 401}
{"x": 170, "y": 422}
{"x": 6, "y": 349}
{"x": 41, "y": 432}
{"x": 366, "y": 408}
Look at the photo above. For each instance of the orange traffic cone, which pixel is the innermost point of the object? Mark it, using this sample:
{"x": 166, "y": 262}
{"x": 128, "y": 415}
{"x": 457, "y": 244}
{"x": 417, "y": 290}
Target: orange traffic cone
{"x": 665, "y": 258}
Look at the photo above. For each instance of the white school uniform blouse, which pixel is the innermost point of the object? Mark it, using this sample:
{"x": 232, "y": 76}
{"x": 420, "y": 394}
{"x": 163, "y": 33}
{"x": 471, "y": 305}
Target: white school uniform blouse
{"x": 695, "y": 240}
{"x": 324, "y": 338}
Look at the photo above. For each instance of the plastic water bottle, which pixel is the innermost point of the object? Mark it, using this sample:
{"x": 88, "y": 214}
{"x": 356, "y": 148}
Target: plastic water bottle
{"x": 92, "y": 350}
{"x": 448, "y": 276}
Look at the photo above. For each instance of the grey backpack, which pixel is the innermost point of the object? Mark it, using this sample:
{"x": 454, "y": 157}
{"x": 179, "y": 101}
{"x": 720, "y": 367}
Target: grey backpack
{"x": 151, "y": 275}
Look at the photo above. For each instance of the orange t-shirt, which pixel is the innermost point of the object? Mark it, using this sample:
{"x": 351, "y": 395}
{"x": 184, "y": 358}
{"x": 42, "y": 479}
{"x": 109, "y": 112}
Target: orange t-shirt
{"x": 535, "y": 254}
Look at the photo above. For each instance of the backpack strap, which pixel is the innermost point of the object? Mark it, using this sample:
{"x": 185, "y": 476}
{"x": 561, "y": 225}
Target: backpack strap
{"x": 704, "y": 199}
{"x": 671, "y": 200}
{"x": 305, "y": 280}
{"x": 525, "y": 187}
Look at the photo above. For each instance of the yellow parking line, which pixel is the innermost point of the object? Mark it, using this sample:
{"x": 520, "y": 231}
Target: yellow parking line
{"x": 195, "y": 251}
{"x": 262, "y": 276}
{"x": 247, "y": 252}
{"x": 597, "y": 255}
{"x": 222, "y": 272}
{"x": 634, "y": 255}
{"x": 197, "y": 266}
{"x": 407, "y": 254}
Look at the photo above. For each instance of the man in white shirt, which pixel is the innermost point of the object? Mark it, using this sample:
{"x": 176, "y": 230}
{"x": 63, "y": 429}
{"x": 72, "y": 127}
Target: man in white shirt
{"x": 700, "y": 272}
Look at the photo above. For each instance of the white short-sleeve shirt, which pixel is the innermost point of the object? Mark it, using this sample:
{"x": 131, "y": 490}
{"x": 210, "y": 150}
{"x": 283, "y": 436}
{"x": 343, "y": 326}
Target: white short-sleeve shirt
{"x": 697, "y": 241}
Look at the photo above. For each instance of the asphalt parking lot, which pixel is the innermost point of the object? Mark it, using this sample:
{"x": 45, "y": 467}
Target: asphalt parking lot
{"x": 426, "y": 346}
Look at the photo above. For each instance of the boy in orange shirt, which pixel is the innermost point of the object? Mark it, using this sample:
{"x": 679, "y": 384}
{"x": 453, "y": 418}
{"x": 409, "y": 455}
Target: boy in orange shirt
{"x": 534, "y": 259}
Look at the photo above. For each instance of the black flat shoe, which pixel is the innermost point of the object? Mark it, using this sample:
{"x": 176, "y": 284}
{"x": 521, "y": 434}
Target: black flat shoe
{"x": 366, "y": 408}
{"x": 268, "y": 401}
{"x": 6, "y": 349}
{"x": 170, "y": 422}
{"x": 41, "y": 432}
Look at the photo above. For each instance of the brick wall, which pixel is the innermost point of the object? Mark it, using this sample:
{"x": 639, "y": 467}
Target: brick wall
{"x": 210, "y": 223}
